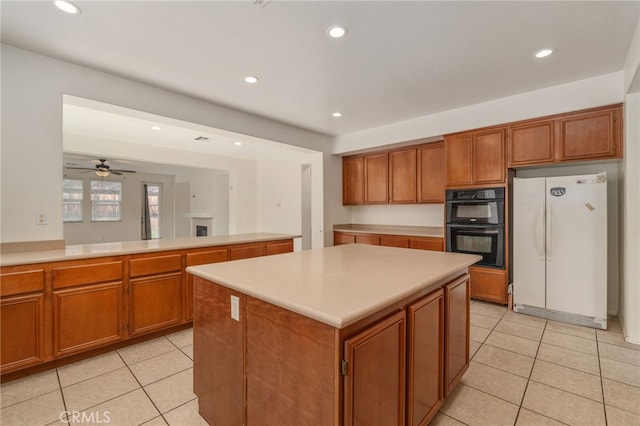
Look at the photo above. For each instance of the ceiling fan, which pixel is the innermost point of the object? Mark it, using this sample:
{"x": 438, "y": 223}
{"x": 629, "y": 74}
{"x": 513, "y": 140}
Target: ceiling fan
{"x": 102, "y": 169}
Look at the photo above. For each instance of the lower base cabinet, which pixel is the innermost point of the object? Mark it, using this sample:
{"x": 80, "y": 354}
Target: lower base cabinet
{"x": 22, "y": 331}
{"x": 392, "y": 369}
{"x": 154, "y": 303}
{"x": 77, "y": 327}
{"x": 489, "y": 284}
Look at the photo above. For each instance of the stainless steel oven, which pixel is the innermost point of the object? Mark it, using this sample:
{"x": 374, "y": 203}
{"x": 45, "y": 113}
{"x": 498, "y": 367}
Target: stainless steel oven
{"x": 475, "y": 224}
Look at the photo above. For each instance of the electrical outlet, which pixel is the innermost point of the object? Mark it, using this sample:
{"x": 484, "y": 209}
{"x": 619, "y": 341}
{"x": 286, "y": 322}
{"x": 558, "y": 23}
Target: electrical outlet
{"x": 235, "y": 308}
{"x": 41, "y": 218}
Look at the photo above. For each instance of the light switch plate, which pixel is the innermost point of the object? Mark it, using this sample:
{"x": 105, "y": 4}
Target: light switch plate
{"x": 235, "y": 308}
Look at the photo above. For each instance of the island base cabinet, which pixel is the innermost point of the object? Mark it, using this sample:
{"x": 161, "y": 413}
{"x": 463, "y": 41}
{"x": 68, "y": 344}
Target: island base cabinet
{"x": 76, "y": 327}
{"x": 456, "y": 332}
{"x": 21, "y": 331}
{"x": 375, "y": 374}
{"x": 425, "y": 359}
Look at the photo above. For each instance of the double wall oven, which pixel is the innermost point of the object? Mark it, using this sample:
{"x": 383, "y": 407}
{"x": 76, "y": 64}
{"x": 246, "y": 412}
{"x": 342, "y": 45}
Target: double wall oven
{"x": 475, "y": 224}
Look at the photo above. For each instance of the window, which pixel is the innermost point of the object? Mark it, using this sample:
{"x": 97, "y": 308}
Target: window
{"x": 106, "y": 198}
{"x": 153, "y": 203}
{"x": 72, "y": 200}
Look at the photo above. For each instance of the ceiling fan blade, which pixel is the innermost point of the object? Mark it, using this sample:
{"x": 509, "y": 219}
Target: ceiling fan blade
{"x": 79, "y": 168}
{"x": 123, "y": 171}
{"x": 115, "y": 172}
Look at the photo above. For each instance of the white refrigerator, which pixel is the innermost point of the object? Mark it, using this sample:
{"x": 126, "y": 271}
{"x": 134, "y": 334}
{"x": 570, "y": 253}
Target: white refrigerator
{"x": 560, "y": 248}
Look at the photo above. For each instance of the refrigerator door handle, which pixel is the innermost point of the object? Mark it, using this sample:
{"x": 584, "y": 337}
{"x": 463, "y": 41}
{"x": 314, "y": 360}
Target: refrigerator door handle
{"x": 540, "y": 233}
{"x": 549, "y": 236}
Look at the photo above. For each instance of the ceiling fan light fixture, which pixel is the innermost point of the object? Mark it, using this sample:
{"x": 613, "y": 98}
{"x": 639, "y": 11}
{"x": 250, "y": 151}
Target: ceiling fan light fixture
{"x": 102, "y": 173}
{"x": 67, "y": 7}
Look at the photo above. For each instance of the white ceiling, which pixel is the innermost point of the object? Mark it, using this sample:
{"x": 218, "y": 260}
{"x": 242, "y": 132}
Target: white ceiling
{"x": 399, "y": 59}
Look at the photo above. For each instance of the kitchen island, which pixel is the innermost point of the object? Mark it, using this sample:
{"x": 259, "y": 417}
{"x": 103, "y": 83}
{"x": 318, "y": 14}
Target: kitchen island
{"x": 344, "y": 335}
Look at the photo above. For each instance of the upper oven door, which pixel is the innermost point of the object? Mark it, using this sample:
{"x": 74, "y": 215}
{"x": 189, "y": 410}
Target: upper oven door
{"x": 475, "y": 212}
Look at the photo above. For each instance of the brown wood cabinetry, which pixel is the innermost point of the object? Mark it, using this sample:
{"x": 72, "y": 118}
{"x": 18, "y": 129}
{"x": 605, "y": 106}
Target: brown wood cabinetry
{"x": 22, "y": 327}
{"x": 53, "y": 310}
{"x": 456, "y": 296}
{"x": 430, "y": 178}
{"x": 343, "y": 238}
{"x": 352, "y": 180}
{"x": 403, "y": 176}
{"x": 393, "y": 241}
{"x": 246, "y": 251}
{"x": 489, "y": 284}
{"x": 376, "y": 183}
{"x": 475, "y": 158}
{"x": 368, "y": 239}
{"x": 403, "y": 241}
{"x": 425, "y": 358}
{"x": 427, "y": 243}
{"x": 88, "y": 305}
{"x": 584, "y": 135}
{"x": 376, "y": 356}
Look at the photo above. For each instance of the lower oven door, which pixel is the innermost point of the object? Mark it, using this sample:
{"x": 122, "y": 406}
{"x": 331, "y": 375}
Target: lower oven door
{"x": 486, "y": 241}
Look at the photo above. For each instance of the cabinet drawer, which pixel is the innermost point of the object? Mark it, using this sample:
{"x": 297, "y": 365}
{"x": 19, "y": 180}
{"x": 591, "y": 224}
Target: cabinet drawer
{"x": 245, "y": 252}
{"x": 341, "y": 238}
{"x": 279, "y": 247}
{"x": 203, "y": 257}
{"x": 402, "y": 242}
{"x": 155, "y": 265}
{"x": 435, "y": 244}
{"x": 87, "y": 274}
{"x": 368, "y": 239}
{"x": 21, "y": 282}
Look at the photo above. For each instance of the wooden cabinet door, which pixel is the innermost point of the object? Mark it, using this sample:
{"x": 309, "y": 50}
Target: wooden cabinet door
{"x": 376, "y": 183}
{"x": 458, "y": 160}
{"x": 352, "y": 180}
{"x": 22, "y": 331}
{"x": 278, "y": 247}
{"x": 375, "y": 375}
{"x": 425, "y": 358}
{"x": 430, "y": 179}
{"x": 596, "y": 134}
{"x": 154, "y": 303}
{"x": 488, "y": 157}
{"x": 87, "y": 317}
{"x": 403, "y": 177}
{"x": 456, "y": 297}
{"x": 531, "y": 143}
{"x": 489, "y": 284}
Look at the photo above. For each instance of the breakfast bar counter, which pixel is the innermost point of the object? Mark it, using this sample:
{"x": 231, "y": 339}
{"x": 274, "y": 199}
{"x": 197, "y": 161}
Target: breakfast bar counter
{"x": 351, "y": 334}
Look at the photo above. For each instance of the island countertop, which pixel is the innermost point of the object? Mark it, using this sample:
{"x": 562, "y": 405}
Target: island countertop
{"x": 337, "y": 285}
{"x": 83, "y": 251}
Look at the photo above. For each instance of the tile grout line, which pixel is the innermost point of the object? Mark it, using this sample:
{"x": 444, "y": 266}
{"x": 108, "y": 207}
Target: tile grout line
{"x": 64, "y": 401}
{"x": 604, "y": 401}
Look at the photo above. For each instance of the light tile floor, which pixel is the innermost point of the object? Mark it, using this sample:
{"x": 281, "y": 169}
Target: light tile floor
{"x": 524, "y": 371}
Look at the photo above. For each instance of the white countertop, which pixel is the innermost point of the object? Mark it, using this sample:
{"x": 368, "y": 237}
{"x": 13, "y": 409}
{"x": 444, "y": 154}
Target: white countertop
{"x": 337, "y": 285}
{"x": 82, "y": 251}
{"x": 412, "y": 231}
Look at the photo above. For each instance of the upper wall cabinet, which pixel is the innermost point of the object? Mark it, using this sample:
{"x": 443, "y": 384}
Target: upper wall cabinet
{"x": 475, "y": 158}
{"x": 586, "y": 135}
{"x": 376, "y": 179}
{"x": 353, "y": 180}
{"x": 403, "y": 176}
{"x": 431, "y": 173}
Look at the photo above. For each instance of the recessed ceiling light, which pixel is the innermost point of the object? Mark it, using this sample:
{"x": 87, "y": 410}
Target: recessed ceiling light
{"x": 66, "y": 6}
{"x": 337, "y": 114}
{"x": 543, "y": 53}
{"x": 251, "y": 79}
{"x": 156, "y": 128}
{"x": 337, "y": 31}
{"x": 237, "y": 143}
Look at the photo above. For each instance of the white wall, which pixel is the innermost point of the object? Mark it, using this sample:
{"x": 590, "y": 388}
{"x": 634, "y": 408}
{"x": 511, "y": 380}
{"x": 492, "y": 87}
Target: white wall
{"x": 602, "y": 90}
{"x": 128, "y": 228}
{"x": 613, "y": 182}
{"x": 220, "y": 203}
{"x": 32, "y": 89}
